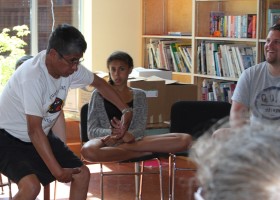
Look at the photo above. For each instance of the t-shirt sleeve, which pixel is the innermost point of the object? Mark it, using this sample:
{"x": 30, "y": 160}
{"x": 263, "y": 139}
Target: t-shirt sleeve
{"x": 241, "y": 92}
{"x": 82, "y": 77}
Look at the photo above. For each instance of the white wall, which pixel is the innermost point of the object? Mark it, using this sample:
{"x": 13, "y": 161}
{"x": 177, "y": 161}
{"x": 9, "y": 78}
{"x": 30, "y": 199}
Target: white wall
{"x": 111, "y": 25}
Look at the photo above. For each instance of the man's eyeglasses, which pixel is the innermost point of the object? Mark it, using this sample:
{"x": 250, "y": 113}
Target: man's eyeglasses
{"x": 71, "y": 62}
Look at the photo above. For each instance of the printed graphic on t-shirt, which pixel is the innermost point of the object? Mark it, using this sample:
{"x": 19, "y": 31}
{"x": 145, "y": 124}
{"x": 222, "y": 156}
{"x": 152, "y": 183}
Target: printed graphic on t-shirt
{"x": 56, "y": 106}
{"x": 267, "y": 105}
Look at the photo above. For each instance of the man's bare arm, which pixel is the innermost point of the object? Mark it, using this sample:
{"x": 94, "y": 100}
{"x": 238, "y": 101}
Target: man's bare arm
{"x": 41, "y": 144}
{"x": 239, "y": 114}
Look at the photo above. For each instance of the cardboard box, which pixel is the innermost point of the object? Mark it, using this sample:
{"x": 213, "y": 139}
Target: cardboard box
{"x": 143, "y": 72}
{"x": 155, "y": 92}
{"x": 76, "y": 98}
{"x": 161, "y": 96}
{"x": 178, "y": 92}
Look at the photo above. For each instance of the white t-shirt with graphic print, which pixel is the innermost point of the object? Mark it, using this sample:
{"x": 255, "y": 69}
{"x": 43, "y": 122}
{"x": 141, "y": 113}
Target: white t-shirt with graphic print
{"x": 33, "y": 91}
{"x": 259, "y": 91}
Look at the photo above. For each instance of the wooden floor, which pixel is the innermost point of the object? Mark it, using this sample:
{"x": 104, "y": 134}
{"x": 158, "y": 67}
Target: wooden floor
{"x": 123, "y": 187}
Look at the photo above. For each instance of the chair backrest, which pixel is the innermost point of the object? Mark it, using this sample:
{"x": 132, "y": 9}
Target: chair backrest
{"x": 195, "y": 117}
{"x": 83, "y": 123}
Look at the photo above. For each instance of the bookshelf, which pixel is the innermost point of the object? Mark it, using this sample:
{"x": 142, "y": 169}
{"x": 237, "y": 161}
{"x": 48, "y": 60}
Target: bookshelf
{"x": 159, "y": 17}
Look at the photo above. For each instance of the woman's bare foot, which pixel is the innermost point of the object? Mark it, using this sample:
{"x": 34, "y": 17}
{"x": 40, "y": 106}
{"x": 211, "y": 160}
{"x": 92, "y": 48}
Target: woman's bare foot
{"x": 111, "y": 141}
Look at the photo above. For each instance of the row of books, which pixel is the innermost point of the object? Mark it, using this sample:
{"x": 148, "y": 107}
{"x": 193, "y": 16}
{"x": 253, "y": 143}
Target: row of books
{"x": 213, "y": 90}
{"x": 168, "y": 54}
{"x": 224, "y": 60}
{"x": 234, "y": 26}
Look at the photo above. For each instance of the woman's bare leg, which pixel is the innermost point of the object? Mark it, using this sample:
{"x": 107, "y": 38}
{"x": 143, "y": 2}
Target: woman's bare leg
{"x": 95, "y": 151}
{"x": 164, "y": 143}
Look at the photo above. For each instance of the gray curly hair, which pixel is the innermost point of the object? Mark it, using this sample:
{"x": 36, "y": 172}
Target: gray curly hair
{"x": 245, "y": 165}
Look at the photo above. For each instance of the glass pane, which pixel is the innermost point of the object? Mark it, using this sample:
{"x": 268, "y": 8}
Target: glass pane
{"x": 14, "y": 13}
{"x": 64, "y": 12}
{"x": 17, "y": 13}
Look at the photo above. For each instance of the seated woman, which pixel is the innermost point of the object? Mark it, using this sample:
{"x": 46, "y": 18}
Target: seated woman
{"x": 105, "y": 144}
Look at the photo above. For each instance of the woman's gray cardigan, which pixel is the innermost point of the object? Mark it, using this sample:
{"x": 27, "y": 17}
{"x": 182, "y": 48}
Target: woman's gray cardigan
{"x": 98, "y": 121}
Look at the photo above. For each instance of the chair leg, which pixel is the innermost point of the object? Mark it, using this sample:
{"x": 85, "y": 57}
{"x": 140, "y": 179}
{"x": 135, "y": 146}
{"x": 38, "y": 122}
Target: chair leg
{"x": 9, "y": 184}
{"x": 171, "y": 175}
{"x": 138, "y": 179}
{"x": 160, "y": 179}
{"x": 10, "y": 188}
{"x": 54, "y": 193}
{"x": 47, "y": 192}
{"x": 1, "y": 184}
{"x": 101, "y": 182}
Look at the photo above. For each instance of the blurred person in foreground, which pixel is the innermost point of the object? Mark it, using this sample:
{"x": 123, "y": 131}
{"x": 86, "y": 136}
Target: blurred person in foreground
{"x": 244, "y": 165}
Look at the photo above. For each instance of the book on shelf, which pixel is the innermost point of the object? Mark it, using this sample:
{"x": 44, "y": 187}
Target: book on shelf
{"x": 175, "y": 59}
{"x": 227, "y": 89}
{"x": 254, "y": 26}
{"x": 231, "y": 64}
{"x": 224, "y": 60}
{"x": 198, "y": 59}
{"x": 179, "y": 33}
{"x": 231, "y": 27}
{"x": 206, "y": 89}
{"x": 217, "y": 60}
{"x": 273, "y": 17}
{"x": 166, "y": 53}
{"x": 182, "y": 47}
{"x": 210, "y": 47}
{"x": 203, "y": 58}
{"x": 215, "y": 90}
{"x": 239, "y": 26}
{"x": 247, "y": 61}
{"x": 188, "y": 52}
{"x": 251, "y": 26}
{"x": 152, "y": 60}
{"x": 160, "y": 54}
{"x": 216, "y": 23}
{"x": 244, "y": 26}
{"x": 235, "y": 64}
{"x": 248, "y": 56}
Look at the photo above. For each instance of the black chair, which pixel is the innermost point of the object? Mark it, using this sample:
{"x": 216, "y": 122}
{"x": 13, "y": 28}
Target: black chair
{"x": 194, "y": 118}
{"x": 6, "y": 183}
{"x": 139, "y": 171}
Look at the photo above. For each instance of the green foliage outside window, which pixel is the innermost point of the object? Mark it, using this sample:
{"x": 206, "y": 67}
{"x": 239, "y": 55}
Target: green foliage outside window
{"x": 11, "y": 49}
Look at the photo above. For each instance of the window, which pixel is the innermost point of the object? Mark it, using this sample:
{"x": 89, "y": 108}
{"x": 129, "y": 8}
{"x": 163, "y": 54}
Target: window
{"x": 41, "y": 16}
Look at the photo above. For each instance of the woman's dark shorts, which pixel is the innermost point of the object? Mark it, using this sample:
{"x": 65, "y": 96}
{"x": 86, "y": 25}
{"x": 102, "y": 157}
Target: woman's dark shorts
{"x": 18, "y": 158}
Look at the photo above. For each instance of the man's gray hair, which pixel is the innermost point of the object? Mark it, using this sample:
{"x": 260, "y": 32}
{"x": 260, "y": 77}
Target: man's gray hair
{"x": 243, "y": 166}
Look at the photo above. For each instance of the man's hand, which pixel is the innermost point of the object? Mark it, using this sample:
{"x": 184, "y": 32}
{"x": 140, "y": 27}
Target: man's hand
{"x": 119, "y": 128}
{"x": 116, "y": 128}
{"x": 66, "y": 174}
